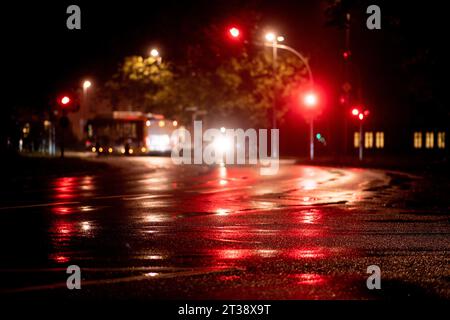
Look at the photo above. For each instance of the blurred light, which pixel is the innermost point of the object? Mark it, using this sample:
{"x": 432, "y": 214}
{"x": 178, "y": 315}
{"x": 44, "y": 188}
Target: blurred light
{"x": 346, "y": 54}
{"x": 222, "y": 145}
{"x": 222, "y": 212}
{"x": 355, "y": 112}
{"x": 361, "y": 116}
{"x": 280, "y": 38}
{"x": 154, "y": 53}
{"x": 222, "y": 129}
{"x": 318, "y": 136}
{"x": 234, "y": 32}
{"x": 143, "y": 149}
{"x": 85, "y": 226}
{"x": 110, "y": 150}
{"x": 270, "y": 37}
{"x": 100, "y": 149}
{"x": 122, "y": 151}
{"x": 87, "y": 84}
{"x": 93, "y": 149}
{"x": 175, "y": 123}
{"x": 162, "y": 123}
{"x": 131, "y": 151}
{"x": 148, "y": 123}
{"x": 366, "y": 112}
{"x": 65, "y": 100}
{"x": 310, "y": 99}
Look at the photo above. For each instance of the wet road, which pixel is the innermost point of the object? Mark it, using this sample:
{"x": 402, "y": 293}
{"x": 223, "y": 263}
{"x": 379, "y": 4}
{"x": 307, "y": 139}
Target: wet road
{"x": 147, "y": 229}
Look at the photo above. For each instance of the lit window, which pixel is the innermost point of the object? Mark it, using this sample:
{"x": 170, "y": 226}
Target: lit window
{"x": 379, "y": 140}
{"x": 417, "y": 140}
{"x": 429, "y": 140}
{"x": 368, "y": 140}
{"x": 441, "y": 140}
{"x": 356, "y": 139}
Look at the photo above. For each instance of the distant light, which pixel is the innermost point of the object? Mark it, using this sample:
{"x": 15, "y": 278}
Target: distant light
{"x": 85, "y": 226}
{"x": 222, "y": 129}
{"x": 162, "y": 123}
{"x": 110, "y": 150}
{"x": 93, "y": 149}
{"x": 318, "y": 136}
{"x": 148, "y": 123}
{"x": 361, "y": 116}
{"x": 270, "y": 37}
{"x": 280, "y": 38}
{"x": 65, "y": 100}
{"x": 234, "y": 32}
{"x": 175, "y": 123}
{"x": 154, "y": 53}
{"x": 87, "y": 84}
{"x": 100, "y": 149}
{"x": 143, "y": 149}
{"x": 310, "y": 99}
{"x": 355, "y": 112}
{"x": 346, "y": 54}
{"x": 131, "y": 151}
{"x": 122, "y": 151}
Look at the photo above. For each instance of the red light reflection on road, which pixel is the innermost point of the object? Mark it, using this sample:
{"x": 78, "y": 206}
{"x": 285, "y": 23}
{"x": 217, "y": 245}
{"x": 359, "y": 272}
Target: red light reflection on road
{"x": 310, "y": 216}
{"x": 313, "y": 253}
{"x": 62, "y": 210}
{"x": 59, "y": 259}
{"x": 308, "y": 278}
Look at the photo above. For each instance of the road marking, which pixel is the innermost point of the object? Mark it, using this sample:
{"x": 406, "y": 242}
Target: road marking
{"x": 147, "y": 276}
{"x": 38, "y": 205}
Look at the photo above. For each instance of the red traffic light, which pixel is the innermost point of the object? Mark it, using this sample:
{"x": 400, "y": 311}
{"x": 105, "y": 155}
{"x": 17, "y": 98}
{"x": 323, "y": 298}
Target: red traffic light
{"x": 234, "y": 32}
{"x": 310, "y": 99}
{"x": 64, "y": 101}
{"x": 346, "y": 54}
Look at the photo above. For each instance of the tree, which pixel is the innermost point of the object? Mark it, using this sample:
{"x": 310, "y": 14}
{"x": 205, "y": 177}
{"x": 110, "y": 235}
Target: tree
{"x": 137, "y": 82}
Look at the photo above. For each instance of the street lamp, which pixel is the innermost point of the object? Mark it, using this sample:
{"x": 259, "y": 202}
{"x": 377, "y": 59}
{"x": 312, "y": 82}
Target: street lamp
{"x": 361, "y": 115}
{"x": 272, "y": 40}
{"x": 310, "y": 100}
{"x": 154, "y": 53}
{"x": 86, "y": 84}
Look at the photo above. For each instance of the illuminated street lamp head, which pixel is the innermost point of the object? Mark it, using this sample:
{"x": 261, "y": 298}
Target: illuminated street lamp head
{"x": 310, "y": 99}
{"x": 270, "y": 37}
{"x": 355, "y": 111}
{"x": 87, "y": 84}
{"x": 154, "y": 53}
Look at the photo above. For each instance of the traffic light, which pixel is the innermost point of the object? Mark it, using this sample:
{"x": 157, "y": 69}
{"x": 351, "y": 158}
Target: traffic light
{"x": 68, "y": 103}
{"x": 65, "y": 101}
{"x": 310, "y": 99}
{"x": 346, "y": 54}
{"x": 234, "y": 33}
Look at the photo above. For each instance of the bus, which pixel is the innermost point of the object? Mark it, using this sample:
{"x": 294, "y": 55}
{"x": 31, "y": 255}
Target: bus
{"x": 130, "y": 132}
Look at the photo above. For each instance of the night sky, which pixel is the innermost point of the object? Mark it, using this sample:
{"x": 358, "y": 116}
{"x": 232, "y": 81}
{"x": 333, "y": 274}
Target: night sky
{"x": 43, "y": 57}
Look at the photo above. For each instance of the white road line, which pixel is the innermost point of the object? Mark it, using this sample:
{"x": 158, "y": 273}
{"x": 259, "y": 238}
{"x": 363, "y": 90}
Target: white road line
{"x": 52, "y": 204}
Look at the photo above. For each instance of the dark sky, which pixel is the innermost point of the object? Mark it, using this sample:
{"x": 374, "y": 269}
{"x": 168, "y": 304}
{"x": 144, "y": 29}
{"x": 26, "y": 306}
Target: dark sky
{"x": 43, "y": 57}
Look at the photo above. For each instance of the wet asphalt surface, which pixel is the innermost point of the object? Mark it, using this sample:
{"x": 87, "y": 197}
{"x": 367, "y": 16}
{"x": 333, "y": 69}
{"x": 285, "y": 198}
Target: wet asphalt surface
{"x": 146, "y": 229}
